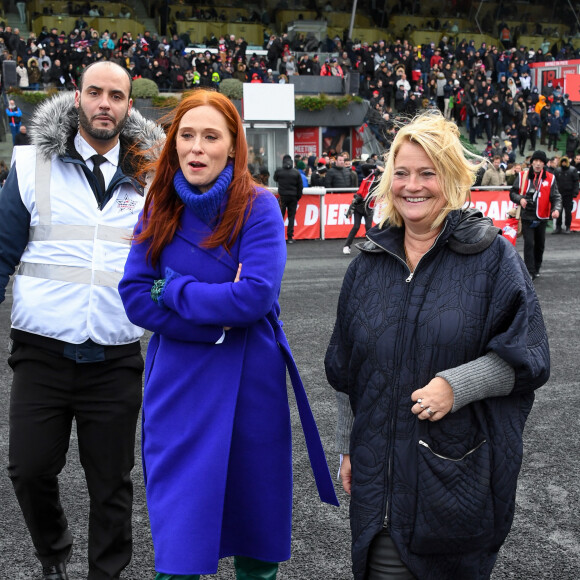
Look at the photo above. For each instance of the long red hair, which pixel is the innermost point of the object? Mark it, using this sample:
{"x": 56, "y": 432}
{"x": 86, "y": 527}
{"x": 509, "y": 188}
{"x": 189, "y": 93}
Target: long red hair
{"x": 163, "y": 207}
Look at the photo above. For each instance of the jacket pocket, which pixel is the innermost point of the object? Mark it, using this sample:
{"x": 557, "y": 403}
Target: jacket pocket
{"x": 454, "y": 505}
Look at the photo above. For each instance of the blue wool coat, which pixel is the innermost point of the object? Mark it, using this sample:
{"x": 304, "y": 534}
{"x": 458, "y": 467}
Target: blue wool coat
{"x": 445, "y": 489}
{"x": 216, "y": 426}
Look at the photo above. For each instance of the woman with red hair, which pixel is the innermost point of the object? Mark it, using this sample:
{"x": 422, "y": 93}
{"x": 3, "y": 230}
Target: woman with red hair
{"x": 204, "y": 274}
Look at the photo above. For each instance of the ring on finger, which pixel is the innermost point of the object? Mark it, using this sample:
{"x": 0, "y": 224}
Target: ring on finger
{"x": 430, "y": 411}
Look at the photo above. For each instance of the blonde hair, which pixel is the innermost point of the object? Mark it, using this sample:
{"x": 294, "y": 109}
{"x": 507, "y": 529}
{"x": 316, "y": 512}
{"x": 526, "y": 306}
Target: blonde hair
{"x": 455, "y": 166}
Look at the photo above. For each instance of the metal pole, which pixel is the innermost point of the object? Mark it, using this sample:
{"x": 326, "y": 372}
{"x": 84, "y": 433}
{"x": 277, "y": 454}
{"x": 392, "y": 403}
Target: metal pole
{"x": 573, "y": 12}
{"x": 352, "y": 19}
{"x": 385, "y": 8}
{"x": 476, "y": 19}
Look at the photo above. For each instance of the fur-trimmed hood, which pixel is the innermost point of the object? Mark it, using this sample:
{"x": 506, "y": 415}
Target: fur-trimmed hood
{"x": 55, "y": 124}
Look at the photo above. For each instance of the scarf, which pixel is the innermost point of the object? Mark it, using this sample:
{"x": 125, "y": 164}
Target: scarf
{"x": 206, "y": 206}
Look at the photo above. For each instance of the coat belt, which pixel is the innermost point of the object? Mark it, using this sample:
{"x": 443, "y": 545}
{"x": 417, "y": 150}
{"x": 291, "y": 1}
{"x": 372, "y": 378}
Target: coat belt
{"x": 316, "y": 454}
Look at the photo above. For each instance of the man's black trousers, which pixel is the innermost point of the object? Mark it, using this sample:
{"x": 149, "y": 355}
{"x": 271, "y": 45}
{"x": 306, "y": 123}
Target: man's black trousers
{"x": 358, "y": 217}
{"x": 534, "y": 235}
{"x": 567, "y": 205}
{"x": 104, "y": 398}
{"x": 289, "y": 203}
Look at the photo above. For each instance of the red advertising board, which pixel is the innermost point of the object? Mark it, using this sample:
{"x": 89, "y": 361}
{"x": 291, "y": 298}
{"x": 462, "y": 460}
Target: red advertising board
{"x": 337, "y": 225}
{"x": 572, "y": 87}
{"x": 307, "y": 221}
{"x": 332, "y": 207}
{"x": 556, "y": 71}
{"x": 357, "y": 143}
{"x": 306, "y": 141}
{"x": 494, "y": 204}
{"x": 307, "y": 224}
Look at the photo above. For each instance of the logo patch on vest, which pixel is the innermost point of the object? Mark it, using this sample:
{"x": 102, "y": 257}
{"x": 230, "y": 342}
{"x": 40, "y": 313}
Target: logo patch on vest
{"x": 126, "y": 204}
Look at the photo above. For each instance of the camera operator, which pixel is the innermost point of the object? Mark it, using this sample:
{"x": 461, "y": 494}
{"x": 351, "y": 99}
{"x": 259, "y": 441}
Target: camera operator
{"x": 360, "y": 206}
{"x": 537, "y": 192}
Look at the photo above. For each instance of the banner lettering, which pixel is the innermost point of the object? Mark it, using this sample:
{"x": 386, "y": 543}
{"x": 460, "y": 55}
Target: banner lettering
{"x": 493, "y": 204}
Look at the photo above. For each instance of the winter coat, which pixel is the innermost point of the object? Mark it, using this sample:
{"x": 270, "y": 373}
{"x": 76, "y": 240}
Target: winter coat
{"x": 318, "y": 179}
{"x": 534, "y": 121}
{"x": 493, "y": 176}
{"x": 14, "y": 116}
{"x": 468, "y": 296}
{"x": 567, "y": 179}
{"x": 216, "y": 424}
{"x": 339, "y": 177}
{"x": 555, "y": 125}
{"x": 211, "y": 395}
{"x": 33, "y": 74}
{"x": 572, "y": 143}
{"x": 22, "y": 74}
{"x": 288, "y": 179}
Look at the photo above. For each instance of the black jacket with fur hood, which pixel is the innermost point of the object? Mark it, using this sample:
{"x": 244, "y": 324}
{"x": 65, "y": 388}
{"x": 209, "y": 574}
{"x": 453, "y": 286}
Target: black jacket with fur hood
{"x": 53, "y": 129}
{"x": 55, "y": 125}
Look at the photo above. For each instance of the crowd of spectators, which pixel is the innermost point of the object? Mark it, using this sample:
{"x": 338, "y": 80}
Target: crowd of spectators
{"x": 486, "y": 89}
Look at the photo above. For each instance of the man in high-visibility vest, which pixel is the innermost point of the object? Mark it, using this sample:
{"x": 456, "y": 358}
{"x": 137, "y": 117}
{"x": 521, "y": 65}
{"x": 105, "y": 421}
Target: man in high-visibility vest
{"x": 71, "y": 202}
{"x": 536, "y": 190}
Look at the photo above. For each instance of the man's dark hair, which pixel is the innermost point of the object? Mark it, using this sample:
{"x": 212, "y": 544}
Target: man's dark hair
{"x": 81, "y": 79}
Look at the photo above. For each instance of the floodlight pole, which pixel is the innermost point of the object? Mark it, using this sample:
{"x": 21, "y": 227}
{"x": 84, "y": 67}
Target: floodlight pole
{"x": 352, "y": 19}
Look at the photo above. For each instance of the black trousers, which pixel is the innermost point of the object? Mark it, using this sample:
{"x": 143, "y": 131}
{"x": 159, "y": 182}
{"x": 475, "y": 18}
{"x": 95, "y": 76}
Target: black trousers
{"x": 358, "y": 217}
{"x": 104, "y": 398}
{"x": 384, "y": 562}
{"x": 533, "y": 137}
{"x": 472, "y": 130}
{"x": 553, "y": 139}
{"x": 289, "y": 203}
{"x": 534, "y": 243}
{"x": 567, "y": 204}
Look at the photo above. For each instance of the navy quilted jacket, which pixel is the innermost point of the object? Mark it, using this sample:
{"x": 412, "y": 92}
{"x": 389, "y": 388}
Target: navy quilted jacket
{"x": 445, "y": 489}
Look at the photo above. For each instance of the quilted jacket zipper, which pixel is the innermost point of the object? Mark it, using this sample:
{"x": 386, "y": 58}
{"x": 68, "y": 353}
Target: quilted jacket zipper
{"x": 397, "y": 257}
{"x": 395, "y": 392}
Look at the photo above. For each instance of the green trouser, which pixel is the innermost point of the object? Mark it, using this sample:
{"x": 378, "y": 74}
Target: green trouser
{"x": 246, "y": 569}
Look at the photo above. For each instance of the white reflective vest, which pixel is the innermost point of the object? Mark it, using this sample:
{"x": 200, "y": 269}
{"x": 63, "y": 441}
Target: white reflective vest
{"x": 66, "y": 283}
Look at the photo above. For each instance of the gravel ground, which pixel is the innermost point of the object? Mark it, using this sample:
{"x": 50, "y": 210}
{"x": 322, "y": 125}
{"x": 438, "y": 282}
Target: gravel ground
{"x": 545, "y": 540}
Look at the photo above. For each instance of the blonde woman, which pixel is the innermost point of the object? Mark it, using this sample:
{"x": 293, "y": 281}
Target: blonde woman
{"x": 437, "y": 349}
{"x": 290, "y": 66}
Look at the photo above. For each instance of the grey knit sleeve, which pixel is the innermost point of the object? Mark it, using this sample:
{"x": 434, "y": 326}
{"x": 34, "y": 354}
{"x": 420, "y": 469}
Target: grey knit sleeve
{"x": 344, "y": 423}
{"x": 487, "y": 376}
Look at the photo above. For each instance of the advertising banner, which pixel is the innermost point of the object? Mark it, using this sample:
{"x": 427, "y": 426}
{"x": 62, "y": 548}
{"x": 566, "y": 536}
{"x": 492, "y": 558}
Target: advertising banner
{"x": 337, "y": 225}
{"x": 572, "y": 87}
{"x": 494, "y": 204}
{"x": 306, "y": 141}
{"x": 357, "y": 143}
{"x": 331, "y": 208}
{"x": 307, "y": 222}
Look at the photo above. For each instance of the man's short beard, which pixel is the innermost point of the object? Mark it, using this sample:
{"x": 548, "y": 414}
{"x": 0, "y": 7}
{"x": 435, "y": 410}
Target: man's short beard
{"x": 100, "y": 134}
